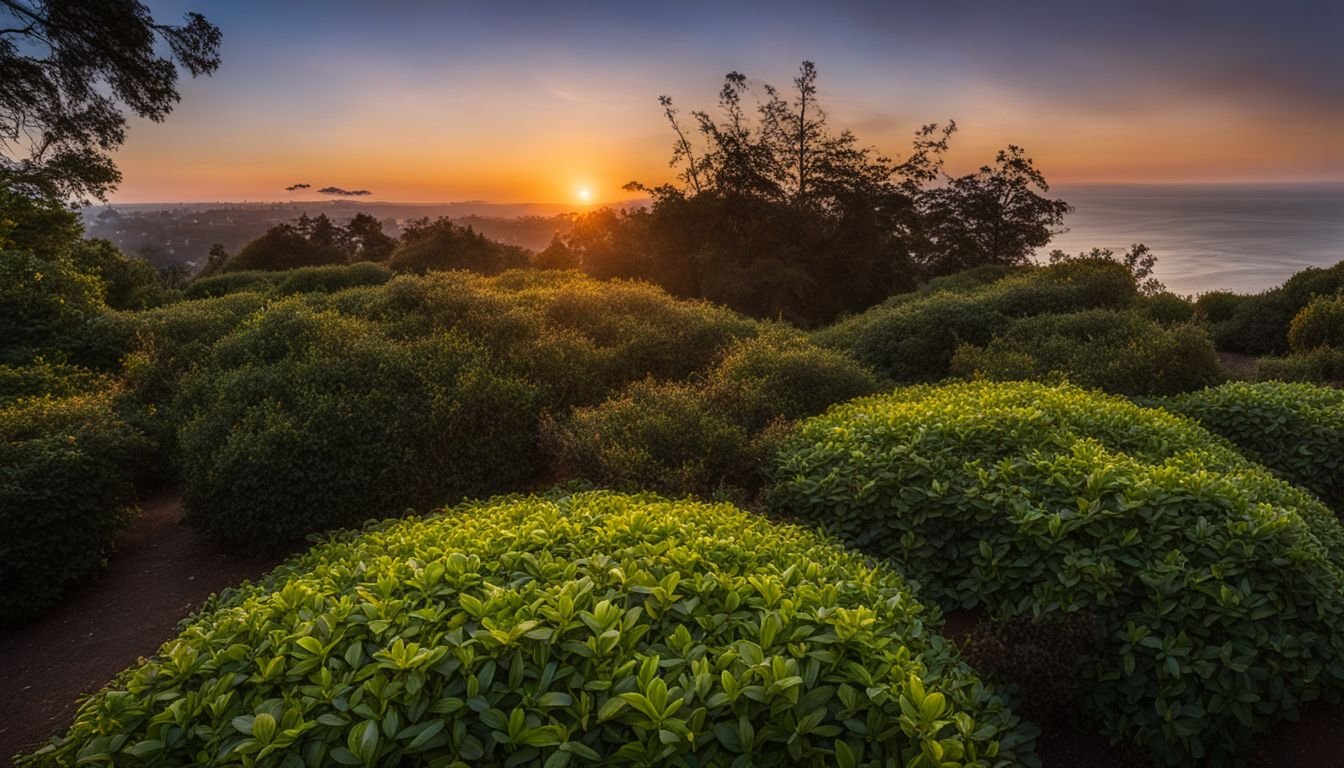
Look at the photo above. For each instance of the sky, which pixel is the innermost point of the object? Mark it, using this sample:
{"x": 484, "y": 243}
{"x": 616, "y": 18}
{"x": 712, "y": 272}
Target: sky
{"x": 557, "y": 102}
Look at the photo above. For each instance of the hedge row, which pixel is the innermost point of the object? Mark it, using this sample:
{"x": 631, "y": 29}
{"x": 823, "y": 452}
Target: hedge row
{"x": 584, "y": 630}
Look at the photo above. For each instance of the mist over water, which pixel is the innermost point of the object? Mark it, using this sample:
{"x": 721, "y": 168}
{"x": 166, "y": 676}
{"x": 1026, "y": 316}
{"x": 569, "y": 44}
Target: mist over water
{"x": 1207, "y": 237}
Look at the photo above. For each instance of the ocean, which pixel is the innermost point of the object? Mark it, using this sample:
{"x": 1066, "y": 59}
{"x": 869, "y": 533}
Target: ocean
{"x": 1207, "y": 237}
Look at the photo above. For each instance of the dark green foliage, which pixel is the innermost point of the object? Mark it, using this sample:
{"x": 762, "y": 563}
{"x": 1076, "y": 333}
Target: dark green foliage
{"x": 67, "y": 469}
{"x": 975, "y": 277}
{"x": 914, "y": 337}
{"x": 442, "y": 245}
{"x": 1218, "y": 306}
{"x": 1324, "y": 365}
{"x": 1297, "y": 430}
{"x": 1258, "y": 324}
{"x": 1217, "y": 588}
{"x": 306, "y": 243}
{"x": 1122, "y": 352}
{"x": 301, "y": 280}
{"x": 1167, "y": 308}
{"x": 1319, "y": 324}
{"x": 225, "y": 283}
{"x": 707, "y": 438}
{"x": 586, "y": 630}
{"x": 667, "y": 437}
{"x": 45, "y": 306}
{"x": 128, "y": 283}
{"x": 54, "y": 379}
{"x": 305, "y": 420}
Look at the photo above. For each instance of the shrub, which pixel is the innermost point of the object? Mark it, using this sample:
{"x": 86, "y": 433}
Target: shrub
{"x": 1258, "y": 324}
{"x": 781, "y": 374}
{"x": 1216, "y": 587}
{"x": 442, "y": 245}
{"x": 581, "y": 630}
{"x": 334, "y": 278}
{"x": 67, "y": 469}
{"x": 661, "y": 436}
{"x": 1323, "y": 365}
{"x": 1297, "y": 430}
{"x": 1218, "y": 306}
{"x": 225, "y": 283}
{"x": 1319, "y": 324}
{"x": 1167, "y": 308}
{"x": 706, "y": 438}
{"x": 1121, "y": 352}
{"x": 914, "y": 338}
{"x": 304, "y": 420}
{"x": 45, "y": 305}
{"x": 54, "y": 379}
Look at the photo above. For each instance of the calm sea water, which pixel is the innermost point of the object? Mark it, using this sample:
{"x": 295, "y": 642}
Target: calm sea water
{"x": 1211, "y": 237}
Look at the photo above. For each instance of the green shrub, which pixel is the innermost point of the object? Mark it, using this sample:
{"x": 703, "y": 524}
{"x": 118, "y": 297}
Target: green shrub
{"x": 333, "y": 278}
{"x": 781, "y": 374}
{"x": 706, "y": 438}
{"x": 67, "y": 470}
{"x": 1167, "y": 308}
{"x": 1218, "y": 306}
{"x": 1258, "y": 324}
{"x": 1319, "y": 324}
{"x": 667, "y": 437}
{"x": 225, "y": 283}
{"x": 304, "y": 420}
{"x": 1323, "y": 365}
{"x": 1297, "y": 430}
{"x": 1121, "y": 352}
{"x": 585, "y": 630}
{"x": 1217, "y": 588}
{"x": 54, "y": 379}
{"x": 913, "y": 338}
{"x": 45, "y": 305}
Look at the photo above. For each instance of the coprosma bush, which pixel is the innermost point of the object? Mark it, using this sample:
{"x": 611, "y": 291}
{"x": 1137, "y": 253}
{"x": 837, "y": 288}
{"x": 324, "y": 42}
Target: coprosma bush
{"x": 587, "y": 630}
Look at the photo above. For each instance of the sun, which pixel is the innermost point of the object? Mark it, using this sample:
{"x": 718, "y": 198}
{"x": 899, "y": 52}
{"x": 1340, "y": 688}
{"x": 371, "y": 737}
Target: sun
{"x": 585, "y": 194}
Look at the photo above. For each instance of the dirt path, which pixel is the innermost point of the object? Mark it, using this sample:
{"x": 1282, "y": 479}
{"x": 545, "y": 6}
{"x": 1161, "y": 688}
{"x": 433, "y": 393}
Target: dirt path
{"x": 162, "y": 571}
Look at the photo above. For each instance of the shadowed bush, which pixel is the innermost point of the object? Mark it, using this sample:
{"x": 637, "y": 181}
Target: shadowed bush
{"x": 1118, "y": 351}
{"x": 67, "y": 470}
{"x": 583, "y": 630}
{"x": 1323, "y": 365}
{"x": 304, "y": 420}
{"x": 1217, "y": 588}
{"x": 1319, "y": 324}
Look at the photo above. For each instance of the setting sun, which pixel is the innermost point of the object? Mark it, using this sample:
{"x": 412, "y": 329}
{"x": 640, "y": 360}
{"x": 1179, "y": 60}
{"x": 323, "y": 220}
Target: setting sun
{"x": 585, "y": 195}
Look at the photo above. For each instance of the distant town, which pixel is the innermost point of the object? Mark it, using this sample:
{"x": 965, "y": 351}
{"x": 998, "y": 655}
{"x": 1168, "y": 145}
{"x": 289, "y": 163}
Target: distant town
{"x": 178, "y": 236}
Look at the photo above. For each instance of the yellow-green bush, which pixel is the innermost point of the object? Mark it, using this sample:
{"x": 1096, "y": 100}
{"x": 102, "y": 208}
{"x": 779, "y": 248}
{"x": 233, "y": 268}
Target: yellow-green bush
{"x": 1217, "y": 588}
{"x": 1123, "y": 352}
{"x": 67, "y": 471}
{"x": 1297, "y": 430}
{"x": 584, "y": 630}
{"x": 1319, "y": 324}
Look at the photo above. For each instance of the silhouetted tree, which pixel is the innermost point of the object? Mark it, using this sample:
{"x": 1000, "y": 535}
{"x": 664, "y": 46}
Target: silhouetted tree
{"x": 70, "y": 70}
{"x": 428, "y": 245}
{"x": 997, "y": 215}
{"x": 365, "y": 239}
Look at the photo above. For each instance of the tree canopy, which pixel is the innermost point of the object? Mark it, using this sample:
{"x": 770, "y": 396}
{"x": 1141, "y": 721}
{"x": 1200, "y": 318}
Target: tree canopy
{"x": 71, "y": 71}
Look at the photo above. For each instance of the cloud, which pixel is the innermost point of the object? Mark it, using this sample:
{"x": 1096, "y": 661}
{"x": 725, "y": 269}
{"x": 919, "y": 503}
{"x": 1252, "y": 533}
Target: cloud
{"x": 344, "y": 192}
{"x": 300, "y": 185}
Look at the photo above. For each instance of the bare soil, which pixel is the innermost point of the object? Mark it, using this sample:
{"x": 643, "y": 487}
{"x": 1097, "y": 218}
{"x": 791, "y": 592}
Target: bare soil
{"x": 161, "y": 572}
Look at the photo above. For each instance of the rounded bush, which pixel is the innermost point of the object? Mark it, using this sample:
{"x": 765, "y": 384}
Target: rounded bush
{"x": 55, "y": 379}
{"x": 1217, "y": 588}
{"x": 67, "y": 487}
{"x": 45, "y": 306}
{"x": 1323, "y": 365}
{"x": 1167, "y": 308}
{"x": 1119, "y": 351}
{"x": 1319, "y": 324}
{"x": 582, "y": 630}
{"x": 304, "y": 420}
{"x": 225, "y": 283}
{"x": 1297, "y": 430}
